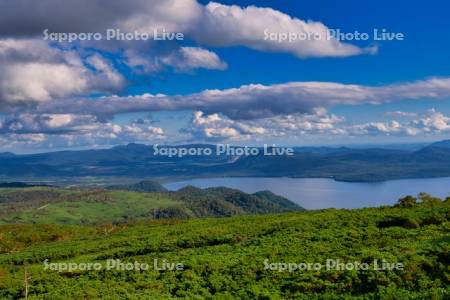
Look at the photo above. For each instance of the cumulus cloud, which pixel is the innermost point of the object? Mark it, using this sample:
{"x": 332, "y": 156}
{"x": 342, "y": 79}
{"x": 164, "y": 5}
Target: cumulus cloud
{"x": 28, "y": 17}
{"x": 59, "y": 80}
{"x": 63, "y": 130}
{"x": 214, "y": 127}
{"x": 318, "y": 122}
{"x": 32, "y": 71}
{"x": 214, "y": 24}
{"x": 431, "y": 122}
{"x": 376, "y": 128}
{"x": 72, "y": 128}
{"x": 224, "y": 25}
{"x": 189, "y": 58}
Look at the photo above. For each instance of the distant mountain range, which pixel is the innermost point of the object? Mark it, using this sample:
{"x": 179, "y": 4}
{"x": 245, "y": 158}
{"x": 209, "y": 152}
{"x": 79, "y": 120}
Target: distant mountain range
{"x": 19, "y": 185}
{"x": 139, "y": 161}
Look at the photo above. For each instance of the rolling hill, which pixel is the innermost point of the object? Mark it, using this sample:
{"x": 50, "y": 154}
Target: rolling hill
{"x": 48, "y": 205}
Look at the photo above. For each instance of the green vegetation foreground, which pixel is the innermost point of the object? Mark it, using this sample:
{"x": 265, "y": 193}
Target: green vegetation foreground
{"x": 226, "y": 258}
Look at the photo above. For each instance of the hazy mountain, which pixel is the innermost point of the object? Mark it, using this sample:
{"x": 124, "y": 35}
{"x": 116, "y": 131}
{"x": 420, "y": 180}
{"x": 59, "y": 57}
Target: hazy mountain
{"x": 139, "y": 161}
{"x": 441, "y": 144}
{"x": 19, "y": 185}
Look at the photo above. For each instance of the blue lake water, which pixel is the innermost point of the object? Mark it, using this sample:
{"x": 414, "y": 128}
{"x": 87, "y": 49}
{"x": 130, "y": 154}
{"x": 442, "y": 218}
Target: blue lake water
{"x": 314, "y": 193}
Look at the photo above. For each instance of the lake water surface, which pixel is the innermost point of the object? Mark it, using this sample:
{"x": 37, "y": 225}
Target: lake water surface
{"x": 312, "y": 193}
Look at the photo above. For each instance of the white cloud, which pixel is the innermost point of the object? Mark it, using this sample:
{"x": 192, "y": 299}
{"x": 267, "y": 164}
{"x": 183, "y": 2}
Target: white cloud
{"x": 214, "y": 24}
{"x": 224, "y": 25}
{"x": 318, "y": 122}
{"x": 182, "y": 59}
{"x": 50, "y": 73}
{"x": 56, "y": 121}
{"x": 189, "y": 58}
{"x": 32, "y": 71}
{"x": 401, "y": 114}
{"x": 106, "y": 76}
{"x": 41, "y": 82}
{"x": 63, "y": 130}
{"x": 214, "y": 127}
{"x": 375, "y": 128}
{"x": 431, "y": 122}
{"x": 258, "y": 101}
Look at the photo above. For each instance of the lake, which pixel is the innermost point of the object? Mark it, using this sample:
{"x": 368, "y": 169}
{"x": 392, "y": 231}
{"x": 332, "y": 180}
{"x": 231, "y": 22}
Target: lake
{"x": 318, "y": 193}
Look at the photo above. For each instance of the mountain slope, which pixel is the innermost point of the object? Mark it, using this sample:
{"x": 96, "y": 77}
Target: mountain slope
{"x": 242, "y": 257}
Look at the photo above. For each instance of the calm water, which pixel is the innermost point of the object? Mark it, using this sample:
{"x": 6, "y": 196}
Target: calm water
{"x": 312, "y": 193}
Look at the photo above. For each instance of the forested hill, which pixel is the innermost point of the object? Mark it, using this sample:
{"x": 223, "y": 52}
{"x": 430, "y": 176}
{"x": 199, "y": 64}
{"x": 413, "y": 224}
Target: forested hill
{"x": 49, "y": 205}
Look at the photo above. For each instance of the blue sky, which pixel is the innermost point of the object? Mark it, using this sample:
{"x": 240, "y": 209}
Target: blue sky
{"x": 152, "y": 91}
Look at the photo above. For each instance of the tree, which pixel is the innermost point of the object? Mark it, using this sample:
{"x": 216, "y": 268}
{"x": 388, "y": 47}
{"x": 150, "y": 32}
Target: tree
{"x": 428, "y": 199}
{"x": 408, "y": 201}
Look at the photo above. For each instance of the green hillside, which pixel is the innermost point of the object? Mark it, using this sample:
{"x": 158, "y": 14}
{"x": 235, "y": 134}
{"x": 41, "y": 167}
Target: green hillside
{"x": 60, "y": 206}
{"x": 48, "y": 205}
{"x": 235, "y": 258}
